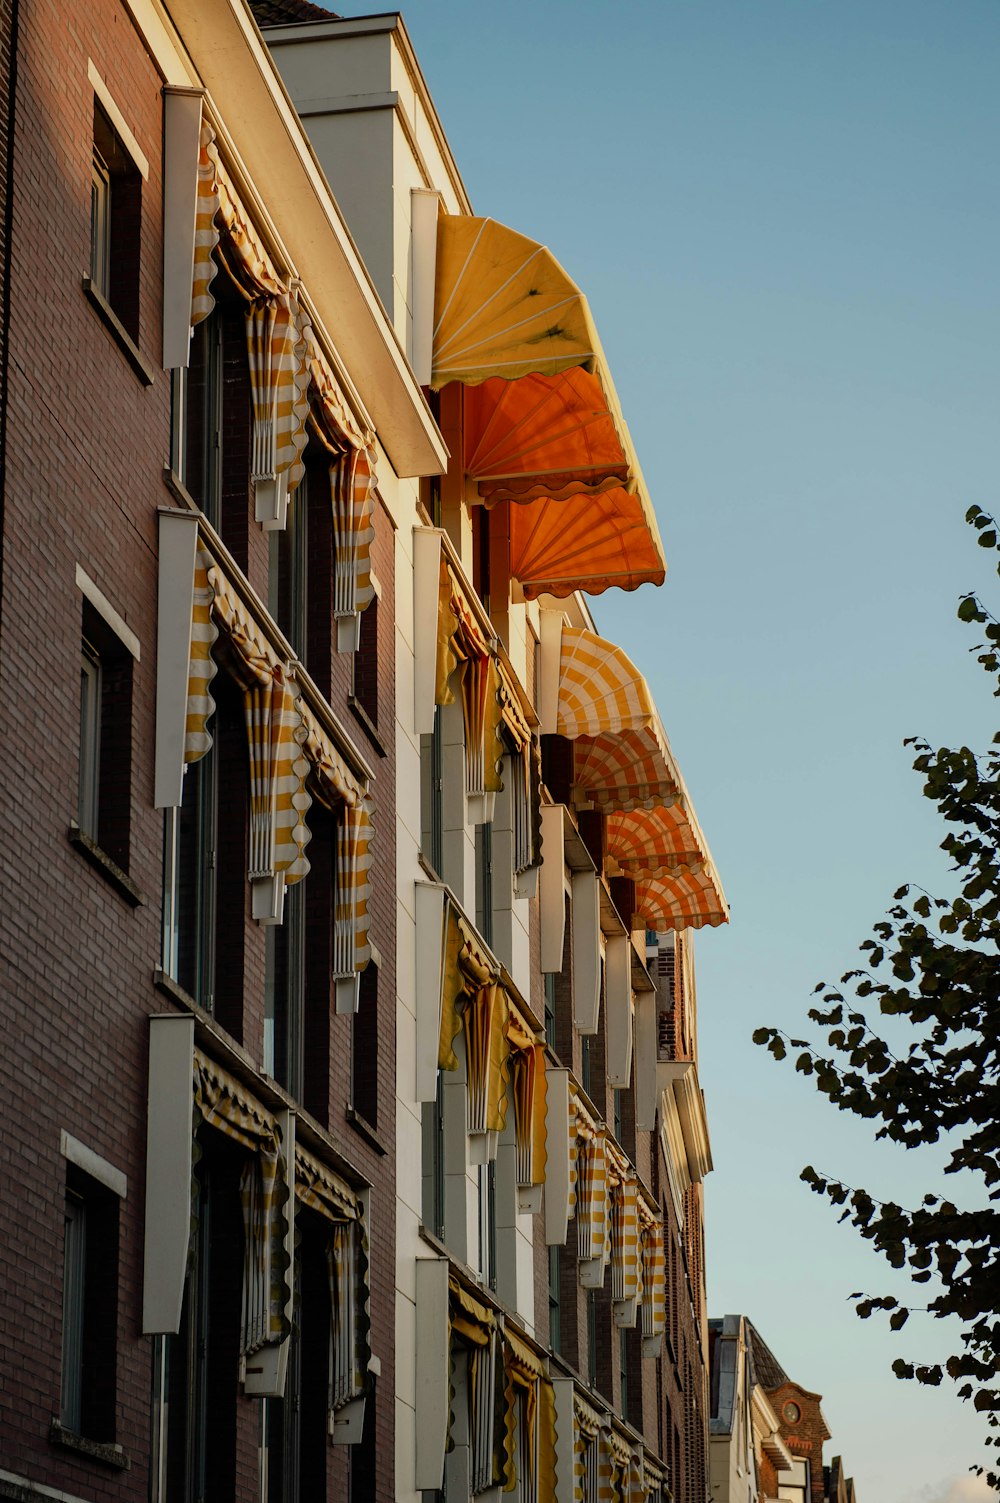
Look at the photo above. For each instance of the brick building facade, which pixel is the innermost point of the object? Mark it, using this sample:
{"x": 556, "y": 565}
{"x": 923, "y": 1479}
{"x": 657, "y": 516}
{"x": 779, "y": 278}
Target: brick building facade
{"x": 197, "y": 658}
{"x": 349, "y": 879}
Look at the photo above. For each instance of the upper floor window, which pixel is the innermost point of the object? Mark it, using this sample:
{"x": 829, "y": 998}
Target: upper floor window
{"x": 115, "y": 222}
{"x": 104, "y": 768}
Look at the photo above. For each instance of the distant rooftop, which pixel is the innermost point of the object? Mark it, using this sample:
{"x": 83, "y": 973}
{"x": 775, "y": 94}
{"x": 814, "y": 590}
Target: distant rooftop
{"x": 289, "y": 12}
{"x": 764, "y": 1365}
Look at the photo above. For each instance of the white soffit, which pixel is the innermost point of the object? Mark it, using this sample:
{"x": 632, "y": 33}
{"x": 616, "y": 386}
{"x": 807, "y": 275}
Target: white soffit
{"x": 233, "y": 63}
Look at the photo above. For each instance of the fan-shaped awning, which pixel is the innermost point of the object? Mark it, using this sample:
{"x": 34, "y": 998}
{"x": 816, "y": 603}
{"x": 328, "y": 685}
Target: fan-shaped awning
{"x": 656, "y": 842}
{"x": 542, "y": 420}
{"x": 543, "y": 436}
{"x": 683, "y": 900}
{"x": 623, "y": 765}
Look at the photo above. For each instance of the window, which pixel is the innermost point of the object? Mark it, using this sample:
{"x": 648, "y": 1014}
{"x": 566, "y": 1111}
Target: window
{"x": 364, "y": 683}
{"x": 288, "y": 574}
{"x": 284, "y": 993}
{"x": 555, "y": 1299}
{"x": 488, "y": 1223}
{"x": 115, "y": 216}
{"x": 293, "y": 1429}
{"x": 484, "y": 881}
{"x": 364, "y": 1048}
{"x": 617, "y": 1114}
{"x": 90, "y": 1308}
{"x": 217, "y": 438}
{"x": 196, "y": 1415}
{"x": 550, "y": 1008}
{"x": 527, "y": 1449}
{"x": 432, "y": 795}
{"x": 592, "y": 1337}
{"x": 432, "y": 1130}
{"x": 205, "y": 866}
{"x": 623, "y": 1369}
{"x": 586, "y": 1071}
{"x": 104, "y": 773}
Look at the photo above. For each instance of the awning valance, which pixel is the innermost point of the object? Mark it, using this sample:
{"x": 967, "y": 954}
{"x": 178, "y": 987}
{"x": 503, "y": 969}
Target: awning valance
{"x": 543, "y": 426}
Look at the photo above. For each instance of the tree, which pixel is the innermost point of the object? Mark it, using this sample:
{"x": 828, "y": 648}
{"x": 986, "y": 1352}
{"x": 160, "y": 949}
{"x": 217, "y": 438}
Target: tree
{"x": 934, "y": 963}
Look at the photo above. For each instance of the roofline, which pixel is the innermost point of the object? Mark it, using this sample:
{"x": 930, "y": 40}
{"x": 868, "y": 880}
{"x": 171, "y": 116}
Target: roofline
{"x": 386, "y": 22}
{"x": 228, "y": 56}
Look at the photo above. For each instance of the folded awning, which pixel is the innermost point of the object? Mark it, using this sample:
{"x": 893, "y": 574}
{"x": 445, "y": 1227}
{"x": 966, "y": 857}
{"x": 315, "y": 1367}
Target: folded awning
{"x": 623, "y": 766}
{"x": 542, "y": 424}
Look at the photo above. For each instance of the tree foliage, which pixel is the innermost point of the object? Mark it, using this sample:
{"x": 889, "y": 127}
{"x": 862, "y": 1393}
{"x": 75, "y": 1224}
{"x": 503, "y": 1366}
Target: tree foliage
{"x": 934, "y": 963}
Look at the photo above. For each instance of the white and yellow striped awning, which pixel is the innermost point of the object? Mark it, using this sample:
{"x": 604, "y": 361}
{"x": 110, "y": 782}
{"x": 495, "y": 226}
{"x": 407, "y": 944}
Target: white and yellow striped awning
{"x": 542, "y": 423}
{"x": 623, "y": 766}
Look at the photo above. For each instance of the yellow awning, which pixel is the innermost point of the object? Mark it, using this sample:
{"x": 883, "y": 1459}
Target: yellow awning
{"x": 542, "y": 420}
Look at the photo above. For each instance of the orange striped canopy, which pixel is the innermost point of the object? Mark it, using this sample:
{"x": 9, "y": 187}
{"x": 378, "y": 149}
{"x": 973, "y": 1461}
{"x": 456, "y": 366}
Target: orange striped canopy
{"x": 684, "y": 899}
{"x": 542, "y": 420}
{"x": 623, "y": 765}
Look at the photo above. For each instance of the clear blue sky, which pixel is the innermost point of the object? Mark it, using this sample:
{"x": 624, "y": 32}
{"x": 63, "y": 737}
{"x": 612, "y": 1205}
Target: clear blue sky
{"x": 785, "y": 214}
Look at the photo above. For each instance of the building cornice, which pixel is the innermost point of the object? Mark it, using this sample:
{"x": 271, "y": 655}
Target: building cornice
{"x": 226, "y": 54}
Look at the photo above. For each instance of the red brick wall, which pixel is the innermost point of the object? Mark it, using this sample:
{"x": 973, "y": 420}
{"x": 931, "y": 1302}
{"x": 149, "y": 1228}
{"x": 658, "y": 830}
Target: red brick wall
{"x": 87, "y": 441}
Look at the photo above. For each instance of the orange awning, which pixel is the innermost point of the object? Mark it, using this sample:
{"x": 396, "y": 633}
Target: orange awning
{"x": 683, "y": 900}
{"x": 623, "y": 765}
{"x": 656, "y": 842}
{"x": 542, "y": 436}
{"x": 543, "y": 426}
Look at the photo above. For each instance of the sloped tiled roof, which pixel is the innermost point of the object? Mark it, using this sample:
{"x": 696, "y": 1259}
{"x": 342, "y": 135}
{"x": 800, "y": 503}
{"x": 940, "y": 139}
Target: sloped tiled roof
{"x": 764, "y": 1365}
{"x": 289, "y": 12}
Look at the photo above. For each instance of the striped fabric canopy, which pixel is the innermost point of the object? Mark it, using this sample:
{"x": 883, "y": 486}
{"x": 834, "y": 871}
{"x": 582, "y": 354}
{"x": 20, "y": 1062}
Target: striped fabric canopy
{"x": 353, "y": 480}
{"x": 289, "y": 376}
{"x": 290, "y": 754}
{"x": 337, "y": 786}
{"x": 623, "y": 766}
{"x": 655, "y": 842}
{"x": 465, "y": 657}
{"x": 684, "y": 899}
{"x": 626, "y": 1268}
{"x": 223, "y": 1103}
{"x": 321, "y": 1189}
{"x": 527, "y": 1079}
{"x": 544, "y": 428}
{"x": 654, "y": 1279}
{"x": 276, "y": 349}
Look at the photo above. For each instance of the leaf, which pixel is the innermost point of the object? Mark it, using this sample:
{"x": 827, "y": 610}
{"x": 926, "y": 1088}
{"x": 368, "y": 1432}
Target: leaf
{"x": 898, "y": 1319}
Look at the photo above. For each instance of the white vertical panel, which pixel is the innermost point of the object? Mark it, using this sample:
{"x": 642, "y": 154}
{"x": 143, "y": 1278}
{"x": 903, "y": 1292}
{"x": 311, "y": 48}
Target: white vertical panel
{"x": 424, "y": 207}
{"x": 618, "y": 989}
{"x": 170, "y": 1106}
{"x": 266, "y": 1368}
{"x": 565, "y": 1458}
{"x": 557, "y": 1155}
{"x": 181, "y": 134}
{"x": 552, "y": 889}
{"x": 645, "y": 1061}
{"x": 426, "y": 581}
{"x": 431, "y": 906}
{"x": 433, "y": 1375}
{"x": 549, "y": 655}
{"x": 178, "y": 543}
{"x": 586, "y": 897}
